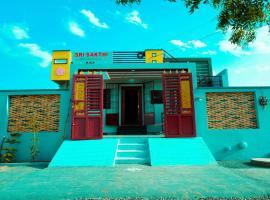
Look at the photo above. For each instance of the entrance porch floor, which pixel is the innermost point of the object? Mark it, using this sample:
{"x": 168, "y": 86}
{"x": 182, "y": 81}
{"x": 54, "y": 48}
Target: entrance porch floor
{"x": 227, "y": 180}
{"x": 135, "y": 136}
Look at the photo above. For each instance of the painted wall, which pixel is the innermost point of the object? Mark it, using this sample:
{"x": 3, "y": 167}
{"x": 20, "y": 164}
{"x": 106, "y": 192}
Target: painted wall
{"x": 225, "y": 77}
{"x": 226, "y": 144}
{"x": 158, "y": 110}
{"x": 49, "y": 142}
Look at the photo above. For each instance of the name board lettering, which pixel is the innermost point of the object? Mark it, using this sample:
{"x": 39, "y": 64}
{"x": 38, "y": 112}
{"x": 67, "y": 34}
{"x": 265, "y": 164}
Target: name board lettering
{"x": 90, "y": 54}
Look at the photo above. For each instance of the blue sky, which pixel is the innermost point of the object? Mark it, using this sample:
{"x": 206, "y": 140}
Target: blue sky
{"x": 30, "y": 30}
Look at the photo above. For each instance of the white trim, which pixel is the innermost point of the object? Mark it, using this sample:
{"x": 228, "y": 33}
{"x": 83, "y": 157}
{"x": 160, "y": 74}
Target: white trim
{"x": 115, "y": 155}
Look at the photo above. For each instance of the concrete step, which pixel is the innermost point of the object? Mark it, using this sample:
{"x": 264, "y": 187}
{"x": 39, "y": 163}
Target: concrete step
{"x": 133, "y": 140}
{"x": 132, "y": 146}
{"x": 262, "y": 162}
{"x": 131, "y": 160}
{"x": 132, "y": 153}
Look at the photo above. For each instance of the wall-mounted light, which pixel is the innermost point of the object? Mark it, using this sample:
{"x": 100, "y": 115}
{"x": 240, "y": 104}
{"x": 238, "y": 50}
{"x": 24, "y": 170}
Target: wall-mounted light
{"x": 242, "y": 145}
{"x": 263, "y": 101}
{"x": 198, "y": 98}
{"x": 131, "y": 80}
{"x": 228, "y": 148}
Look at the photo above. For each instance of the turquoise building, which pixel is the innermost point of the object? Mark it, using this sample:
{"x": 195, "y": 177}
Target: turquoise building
{"x": 143, "y": 107}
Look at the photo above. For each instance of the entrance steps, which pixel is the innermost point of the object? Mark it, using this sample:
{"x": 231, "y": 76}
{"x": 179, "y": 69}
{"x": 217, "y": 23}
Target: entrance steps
{"x": 132, "y": 151}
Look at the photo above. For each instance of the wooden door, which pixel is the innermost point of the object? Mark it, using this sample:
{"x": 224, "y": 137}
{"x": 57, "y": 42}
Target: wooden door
{"x": 87, "y": 107}
{"x": 179, "y": 118}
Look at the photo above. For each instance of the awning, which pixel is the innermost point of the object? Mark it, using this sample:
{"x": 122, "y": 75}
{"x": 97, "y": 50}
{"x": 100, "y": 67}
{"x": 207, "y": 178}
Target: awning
{"x": 135, "y": 74}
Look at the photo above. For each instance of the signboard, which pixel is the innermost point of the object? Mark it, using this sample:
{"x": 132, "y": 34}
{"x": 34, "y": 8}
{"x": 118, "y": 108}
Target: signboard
{"x": 91, "y": 57}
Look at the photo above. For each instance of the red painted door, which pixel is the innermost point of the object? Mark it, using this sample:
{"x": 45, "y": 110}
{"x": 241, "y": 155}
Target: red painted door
{"x": 87, "y": 107}
{"x": 179, "y": 119}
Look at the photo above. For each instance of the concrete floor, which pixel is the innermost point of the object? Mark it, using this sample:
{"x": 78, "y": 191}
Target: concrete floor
{"x": 227, "y": 180}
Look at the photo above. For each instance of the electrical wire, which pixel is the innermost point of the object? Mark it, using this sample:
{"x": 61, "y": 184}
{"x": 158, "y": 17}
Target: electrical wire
{"x": 191, "y": 29}
{"x": 177, "y": 48}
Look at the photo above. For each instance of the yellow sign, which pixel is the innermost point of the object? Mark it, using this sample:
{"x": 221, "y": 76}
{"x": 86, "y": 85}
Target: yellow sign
{"x": 154, "y": 56}
{"x": 61, "y": 65}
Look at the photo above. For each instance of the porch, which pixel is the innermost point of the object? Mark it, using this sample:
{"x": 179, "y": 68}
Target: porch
{"x": 154, "y": 151}
{"x": 133, "y": 102}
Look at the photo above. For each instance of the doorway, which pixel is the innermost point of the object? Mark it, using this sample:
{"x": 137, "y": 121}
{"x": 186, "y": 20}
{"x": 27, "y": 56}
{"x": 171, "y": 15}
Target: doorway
{"x": 131, "y": 114}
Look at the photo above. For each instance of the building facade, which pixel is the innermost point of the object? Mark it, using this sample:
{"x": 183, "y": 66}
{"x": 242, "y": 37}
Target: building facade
{"x": 105, "y": 95}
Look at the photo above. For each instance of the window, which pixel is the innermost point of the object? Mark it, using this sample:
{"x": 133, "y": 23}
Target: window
{"x": 60, "y": 61}
{"x": 156, "y": 97}
{"x": 154, "y": 54}
{"x": 231, "y": 110}
{"x": 107, "y": 99}
{"x": 27, "y": 113}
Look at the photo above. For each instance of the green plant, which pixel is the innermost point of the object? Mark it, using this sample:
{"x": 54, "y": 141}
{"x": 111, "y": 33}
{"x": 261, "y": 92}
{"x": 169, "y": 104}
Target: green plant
{"x": 34, "y": 147}
{"x": 35, "y": 139}
{"x": 9, "y": 150}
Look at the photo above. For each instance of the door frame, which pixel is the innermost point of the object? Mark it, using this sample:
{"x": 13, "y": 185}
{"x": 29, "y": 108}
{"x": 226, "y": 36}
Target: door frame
{"x": 121, "y": 103}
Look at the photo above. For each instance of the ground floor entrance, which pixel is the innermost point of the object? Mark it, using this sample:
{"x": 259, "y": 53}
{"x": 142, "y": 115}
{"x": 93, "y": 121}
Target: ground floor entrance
{"x": 131, "y": 112}
{"x": 133, "y": 102}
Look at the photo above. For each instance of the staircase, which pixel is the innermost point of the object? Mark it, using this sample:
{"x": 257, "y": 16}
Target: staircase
{"x": 132, "y": 151}
{"x": 132, "y": 130}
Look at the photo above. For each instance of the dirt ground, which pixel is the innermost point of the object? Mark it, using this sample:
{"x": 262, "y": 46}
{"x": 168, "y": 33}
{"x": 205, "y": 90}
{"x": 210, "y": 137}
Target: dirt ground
{"x": 227, "y": 180}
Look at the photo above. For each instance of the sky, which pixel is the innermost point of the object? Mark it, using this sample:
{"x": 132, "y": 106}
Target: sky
{"x": 30, "y": 30}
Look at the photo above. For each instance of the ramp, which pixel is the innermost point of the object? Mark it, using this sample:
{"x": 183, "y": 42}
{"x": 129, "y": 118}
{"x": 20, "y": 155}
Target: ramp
{"x": 179, "y": 151}
{"x": 85, "y": 153}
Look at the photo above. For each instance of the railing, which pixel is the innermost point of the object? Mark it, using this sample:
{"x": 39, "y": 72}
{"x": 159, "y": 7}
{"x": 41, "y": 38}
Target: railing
{"x": 209, "y": 81}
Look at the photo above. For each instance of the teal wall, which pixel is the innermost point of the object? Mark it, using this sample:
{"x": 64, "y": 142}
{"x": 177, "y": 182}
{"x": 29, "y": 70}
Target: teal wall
{"x": 49, "y": 142}
{"x": 158, "y": 110}
{"x": 225, "y": 78}
{"x": 225, "y": 144}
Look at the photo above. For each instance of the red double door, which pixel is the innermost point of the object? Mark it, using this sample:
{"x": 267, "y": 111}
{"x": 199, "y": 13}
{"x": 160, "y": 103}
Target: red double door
{"x": 179, "y": 118}
{"x": 87, "y": 107}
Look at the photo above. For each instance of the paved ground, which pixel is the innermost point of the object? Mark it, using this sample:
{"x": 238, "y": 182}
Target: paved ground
{"x": 228, "y": 179}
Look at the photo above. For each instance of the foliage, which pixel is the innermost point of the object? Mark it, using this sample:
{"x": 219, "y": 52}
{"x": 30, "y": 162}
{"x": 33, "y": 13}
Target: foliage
{"x": 241, "y": 17}
{"x": 35, "y": 140}
{"x": 8, "y": 151}
{"x": 34, "y": 147}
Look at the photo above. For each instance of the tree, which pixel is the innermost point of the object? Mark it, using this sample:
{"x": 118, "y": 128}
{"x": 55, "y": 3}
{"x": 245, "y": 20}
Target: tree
{"x": 241, "y": 17}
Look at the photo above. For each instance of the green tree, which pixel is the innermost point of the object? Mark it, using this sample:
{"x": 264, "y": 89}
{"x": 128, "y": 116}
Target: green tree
{"x": 241, "y": 17}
